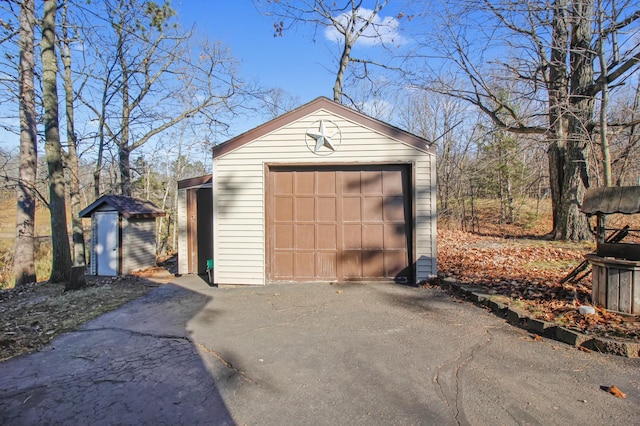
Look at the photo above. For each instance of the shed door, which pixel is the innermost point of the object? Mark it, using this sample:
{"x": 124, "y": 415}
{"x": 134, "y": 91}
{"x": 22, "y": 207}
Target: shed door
{"x": 106, "y": 243}
{"x": 339, "y": 223}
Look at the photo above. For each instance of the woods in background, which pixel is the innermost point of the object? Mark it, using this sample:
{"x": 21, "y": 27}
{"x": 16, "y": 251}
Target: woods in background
{"x": 524, "y": 100}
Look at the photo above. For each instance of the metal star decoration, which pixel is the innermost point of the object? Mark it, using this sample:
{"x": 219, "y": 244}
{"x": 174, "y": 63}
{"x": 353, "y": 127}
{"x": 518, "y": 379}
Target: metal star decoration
{"x": 322, "y": 138}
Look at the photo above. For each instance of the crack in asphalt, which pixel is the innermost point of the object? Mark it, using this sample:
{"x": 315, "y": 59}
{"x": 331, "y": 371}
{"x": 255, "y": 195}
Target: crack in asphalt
{"x": 135, "y": 332}
{"x": 225, "y": 362}
{"x": 454, "y": 402}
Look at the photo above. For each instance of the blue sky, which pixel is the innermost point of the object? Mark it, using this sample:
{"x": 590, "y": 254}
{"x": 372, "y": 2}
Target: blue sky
{"x": 296, "y": 63}
{"x": 303, "y": 68}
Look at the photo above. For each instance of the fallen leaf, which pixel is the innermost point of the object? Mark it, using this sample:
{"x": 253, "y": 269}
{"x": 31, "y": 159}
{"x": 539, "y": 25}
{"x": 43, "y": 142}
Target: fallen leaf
{"x": 536, "y": 337}
{"x": 528, "y": 272}
{"x": 613, "y": 390}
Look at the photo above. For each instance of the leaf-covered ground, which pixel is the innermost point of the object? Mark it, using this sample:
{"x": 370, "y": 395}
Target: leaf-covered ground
{"x": 527, "y": 272}
{"x": 31, "y": 316}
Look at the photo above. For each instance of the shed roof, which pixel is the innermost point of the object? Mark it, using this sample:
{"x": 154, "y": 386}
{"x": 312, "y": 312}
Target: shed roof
{"x": 331, "y": 106}
{"x": 128, "y": 207}
{"x": 195, "y": 181}
{"x": 609, "y": 200}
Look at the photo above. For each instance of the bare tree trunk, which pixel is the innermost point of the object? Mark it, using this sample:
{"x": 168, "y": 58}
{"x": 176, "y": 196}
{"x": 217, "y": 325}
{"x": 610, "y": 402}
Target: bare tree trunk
{"x": 342, "y": 67}
{"x": 576, "y": 171}
{"x": 60, "y": 239}
{"x": 97, "y": 172}
{"x": 124, "y": 170}
{"x": 558, "y": 89}
{"x": 24, "y": 258}
{"x": 72, "y": 158}
{"x": 604, "y": 104}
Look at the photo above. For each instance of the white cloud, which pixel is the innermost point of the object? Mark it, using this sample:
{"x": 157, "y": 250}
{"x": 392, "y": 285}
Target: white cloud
{"x": 378, "y": 108}
{"x": 381, "y": 30}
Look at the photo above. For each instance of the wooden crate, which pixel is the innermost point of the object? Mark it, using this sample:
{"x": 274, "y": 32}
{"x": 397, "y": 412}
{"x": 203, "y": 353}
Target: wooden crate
{"x": 616, "y": 284}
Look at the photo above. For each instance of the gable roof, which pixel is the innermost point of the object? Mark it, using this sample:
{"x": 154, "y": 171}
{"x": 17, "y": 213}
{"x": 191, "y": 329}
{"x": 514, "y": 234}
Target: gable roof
{"x": 331, "y": 106}
{"x": 128, "y": 207}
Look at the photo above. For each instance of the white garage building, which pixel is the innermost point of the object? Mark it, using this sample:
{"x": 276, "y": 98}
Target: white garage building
{"x": 322, "y": 193}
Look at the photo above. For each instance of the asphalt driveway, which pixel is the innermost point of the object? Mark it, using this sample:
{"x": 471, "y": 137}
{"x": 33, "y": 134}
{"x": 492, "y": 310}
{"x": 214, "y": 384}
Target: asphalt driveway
{"x": 311, "y": 354}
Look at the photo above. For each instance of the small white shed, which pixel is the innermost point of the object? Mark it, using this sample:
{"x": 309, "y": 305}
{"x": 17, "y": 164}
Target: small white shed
{"x": 322, "y": 193}
{"x": 123, "y": 234}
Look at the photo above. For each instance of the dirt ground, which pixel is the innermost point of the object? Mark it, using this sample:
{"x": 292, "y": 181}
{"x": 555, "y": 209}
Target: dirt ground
{"x": 31, "y": 316}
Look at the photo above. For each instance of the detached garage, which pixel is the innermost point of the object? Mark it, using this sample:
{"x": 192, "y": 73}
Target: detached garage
{"x": 322, "y": 193}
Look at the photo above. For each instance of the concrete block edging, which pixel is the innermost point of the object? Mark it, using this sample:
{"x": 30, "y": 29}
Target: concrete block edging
{"x": 546, "y": 329}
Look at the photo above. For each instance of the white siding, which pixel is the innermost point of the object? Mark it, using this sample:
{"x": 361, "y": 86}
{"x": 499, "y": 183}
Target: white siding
{"x": 239, "y": 192}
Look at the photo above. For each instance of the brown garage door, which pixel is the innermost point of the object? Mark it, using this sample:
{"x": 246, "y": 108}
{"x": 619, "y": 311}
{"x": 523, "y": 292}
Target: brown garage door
{"x": 339, "y": 223}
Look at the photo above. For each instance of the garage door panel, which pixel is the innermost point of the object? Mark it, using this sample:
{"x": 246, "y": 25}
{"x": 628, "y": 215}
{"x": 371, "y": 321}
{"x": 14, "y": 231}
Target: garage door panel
{"x": 339, "y": 223}
{"x": 371, "y": 182}
{"x": 351, "y": 182}
{"x": 351, "y": 211}
{"x": 395, "y": 237}
{"x": 304, "y": 183}
{"x": 326, "y": 265}
{"x": 326, "y": 182}
{"x": 352, "y": 236}
{"x": 284, "y": 236}
{"x": 305, "y": 236}
{"x": 305, "y": 209}
{"x": 394, "y": 263}
{"x": 373, "y": 264}
{"x": 373, "y": 209}
{"x": 304, "y": 265}
{"x": 283, "y": 183}
{"x": 373, "y": 236}
{"x": 392, "y": 183}
{"x": 352, "y": 264}
{"x": 394, "y": 209}
{"x": 284, "y": 209}
{"x": 327, "y": 237}
{"x": 283, "y": 265}
{"x": 326, "y": 209}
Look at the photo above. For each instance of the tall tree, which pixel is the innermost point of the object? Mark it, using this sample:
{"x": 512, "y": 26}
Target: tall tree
{"x": 72, "y": 163}
{"x": 349, "y": 21}
{"x": 24, "y": 259}
{"x": 152, "y": 63}
{"x": 61, "y": 262}
{"x": 548, "y": 56}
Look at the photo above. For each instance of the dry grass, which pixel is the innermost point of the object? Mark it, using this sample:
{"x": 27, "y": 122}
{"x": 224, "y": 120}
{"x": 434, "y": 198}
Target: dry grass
{"x": 7, "y": 236}
{"x": 31, "y": 316}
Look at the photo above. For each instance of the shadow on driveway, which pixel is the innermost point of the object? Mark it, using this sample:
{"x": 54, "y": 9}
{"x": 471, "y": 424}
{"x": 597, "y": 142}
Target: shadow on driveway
{"x": 135, "y": 365}
{"x": 365, "y": 353}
